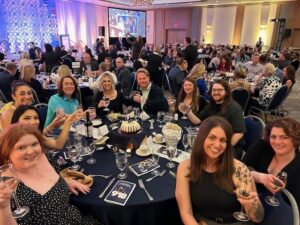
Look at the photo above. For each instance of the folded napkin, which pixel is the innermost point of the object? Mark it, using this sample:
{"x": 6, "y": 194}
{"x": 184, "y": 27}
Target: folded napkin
{"x": 75, "y": 175}
{"x": 144, "y": 116}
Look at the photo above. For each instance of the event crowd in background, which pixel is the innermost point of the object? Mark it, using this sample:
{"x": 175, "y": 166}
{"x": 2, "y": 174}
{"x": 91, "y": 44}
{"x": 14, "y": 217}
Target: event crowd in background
{"x": 186, "y": 79}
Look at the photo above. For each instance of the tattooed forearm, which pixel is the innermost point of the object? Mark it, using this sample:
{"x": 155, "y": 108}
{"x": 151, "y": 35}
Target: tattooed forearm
{"x": 242, "y": 174}
{"x": 257, "y": 213}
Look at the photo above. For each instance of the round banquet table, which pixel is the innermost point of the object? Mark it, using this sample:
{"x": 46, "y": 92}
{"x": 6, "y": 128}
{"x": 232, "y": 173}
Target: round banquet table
{"x": 138, "y": 209}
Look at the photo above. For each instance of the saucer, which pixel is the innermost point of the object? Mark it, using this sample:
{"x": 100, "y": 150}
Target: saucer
{"x": 140, "y": 153}
{"x": 158, "y": 142}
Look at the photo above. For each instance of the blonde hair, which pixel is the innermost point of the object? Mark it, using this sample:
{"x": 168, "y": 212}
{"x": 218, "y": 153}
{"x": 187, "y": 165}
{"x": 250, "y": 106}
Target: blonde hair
{"x": 64, "y": 71}
{"x": 104, "y": 75}
{"x": 25, "y": 55}
{"x": 197, "y": 71}
{"x": 28, "y": 73}
{"x": 269, "y": 69}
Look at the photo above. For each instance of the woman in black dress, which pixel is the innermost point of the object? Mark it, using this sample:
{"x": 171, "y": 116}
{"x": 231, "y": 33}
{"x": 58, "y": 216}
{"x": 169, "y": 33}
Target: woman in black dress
{"x": 40, "y": 187}
{"x": 108, "y": 90}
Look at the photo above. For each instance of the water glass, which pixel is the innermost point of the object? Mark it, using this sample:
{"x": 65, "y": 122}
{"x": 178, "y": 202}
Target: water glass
{"x": 90, "y": 148}
{"x": 121, "y": 162}
{"x": 73, "y": 155}
{"x": 160, "y": 118}
{"x": 9, "y": 178}
{"x": 171, "y": 152}
{"x": 92, "y": 111}
{"x": 60, "y": 112}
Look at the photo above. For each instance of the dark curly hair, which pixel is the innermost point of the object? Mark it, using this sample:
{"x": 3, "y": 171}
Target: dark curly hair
{"x": 290, "y": 126}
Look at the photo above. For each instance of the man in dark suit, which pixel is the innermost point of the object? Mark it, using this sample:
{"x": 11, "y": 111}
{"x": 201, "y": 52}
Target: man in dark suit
{"x": 88, "y": 64}
{"x": 124, "y": 77}
{"x": 177, "y": 75}
{"x": 7, "y": 76}
{"x": 151, "y": 99}
{"x": 31, "y": 50}
{"x": 154, "y": 67}
{"x": 190, "y": 53}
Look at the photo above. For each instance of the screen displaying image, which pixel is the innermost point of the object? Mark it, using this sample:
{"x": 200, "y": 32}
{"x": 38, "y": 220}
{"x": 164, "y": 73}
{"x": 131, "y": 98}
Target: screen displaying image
{"x": 122, "y": 21}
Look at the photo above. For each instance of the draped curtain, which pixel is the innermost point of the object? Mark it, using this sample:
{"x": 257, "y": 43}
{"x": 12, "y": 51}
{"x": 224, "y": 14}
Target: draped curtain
{"x": 81, "y": 20}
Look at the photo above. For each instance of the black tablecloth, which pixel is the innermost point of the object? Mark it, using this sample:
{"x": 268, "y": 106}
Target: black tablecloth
{"x": 138, "y": 210}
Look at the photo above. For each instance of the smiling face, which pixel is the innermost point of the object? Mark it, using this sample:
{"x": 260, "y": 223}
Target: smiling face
{"x": 143, "y": 80}
{"x": 68, "y": 87}
{"x": 281, "y": 143}
{"x": 106, "y": 84}
{"x": 26, "y": 152}
{"x": 30, "y": 117}
{"x": 218, "y": 93}
{"x": 215, "y": 143}
{"x": 188, "y": 87}
{"x": 22, "y": 96}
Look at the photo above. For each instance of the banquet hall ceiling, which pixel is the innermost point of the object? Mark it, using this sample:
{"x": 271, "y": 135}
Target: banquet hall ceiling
{"x": 184, "y": 3}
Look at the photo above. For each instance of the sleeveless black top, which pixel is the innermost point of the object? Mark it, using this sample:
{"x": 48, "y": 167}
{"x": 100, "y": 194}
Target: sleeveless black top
{"x": 211, "y": 201}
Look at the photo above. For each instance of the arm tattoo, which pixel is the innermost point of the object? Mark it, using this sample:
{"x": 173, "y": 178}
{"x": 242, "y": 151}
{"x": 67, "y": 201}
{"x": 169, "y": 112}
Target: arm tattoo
{"x": 257, "y": 213}
{"x": 242, "y": 174}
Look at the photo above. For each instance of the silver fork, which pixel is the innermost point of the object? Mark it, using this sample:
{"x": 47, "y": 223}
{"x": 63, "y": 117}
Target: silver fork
{"x": 100, "y": 175}
{"x": 142, "y": 186}
{"x": 157, "y": 175}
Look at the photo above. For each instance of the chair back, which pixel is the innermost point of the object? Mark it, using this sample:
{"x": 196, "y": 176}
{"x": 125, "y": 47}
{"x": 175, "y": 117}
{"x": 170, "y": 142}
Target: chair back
{"x": 3, "y": 98}
{"x": 286, "y": 213}
{"x": 166, "y": 83}
{"x": 278, "y": 98}
{"x": 42, "y": 109}
{"x": 35, "y": 96}
{"x": 54, "y": 69}
{"x": 254, "y": 127}
{"x": 241, "y": 96}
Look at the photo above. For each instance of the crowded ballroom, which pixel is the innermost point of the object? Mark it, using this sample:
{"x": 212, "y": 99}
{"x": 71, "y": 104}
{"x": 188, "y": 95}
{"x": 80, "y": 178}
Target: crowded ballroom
{"x": 120, "y": 112}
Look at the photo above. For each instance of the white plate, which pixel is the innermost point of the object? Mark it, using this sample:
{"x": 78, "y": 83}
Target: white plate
{"x": 140, "y": 153}
{"x": 158, "y": 142}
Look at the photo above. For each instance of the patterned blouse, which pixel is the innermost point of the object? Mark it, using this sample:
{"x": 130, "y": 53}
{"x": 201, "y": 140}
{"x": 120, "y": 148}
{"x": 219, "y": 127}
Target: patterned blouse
{"x": 267, "y": 89}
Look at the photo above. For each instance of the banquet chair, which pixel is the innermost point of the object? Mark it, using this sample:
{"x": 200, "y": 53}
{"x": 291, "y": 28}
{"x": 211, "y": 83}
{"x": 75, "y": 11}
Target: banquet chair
{"x": 54, "y": 69}
{"x": 42, "y": 109}
{"x": 286, "y": 213}
{"x": 35, "y": 96}
{"x": 273, "y": 107}
{"x": 283, "y": 112}
{"x": 254, "y": 130}
{"x": 241, "y": 96}
{"x": 166, "y": 84}
{"x": 2, "y": 97}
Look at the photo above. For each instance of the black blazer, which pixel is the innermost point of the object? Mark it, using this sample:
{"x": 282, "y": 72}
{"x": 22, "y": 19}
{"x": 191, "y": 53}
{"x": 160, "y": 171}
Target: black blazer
{"x": 190, "y": 53}
{"x": 156, "y": 101}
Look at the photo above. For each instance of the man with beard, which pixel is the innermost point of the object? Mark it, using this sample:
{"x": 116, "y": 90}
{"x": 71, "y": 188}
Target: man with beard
{"x": 222, "y": 104}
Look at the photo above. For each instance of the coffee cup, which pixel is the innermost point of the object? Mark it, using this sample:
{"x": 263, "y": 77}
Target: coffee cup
{"x": 159, "y": 138}
{"x": 144, "y": 149}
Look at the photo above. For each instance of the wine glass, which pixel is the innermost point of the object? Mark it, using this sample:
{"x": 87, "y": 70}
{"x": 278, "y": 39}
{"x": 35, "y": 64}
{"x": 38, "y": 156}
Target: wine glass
{"x": 185, "y": 141}
{"x": 73, "y": 154}
{"x": 136, "y": 111}
{"x": 121, "y": 161}
{"x": 272, "y": 200}
{"x": 171, "y": 152}
{"x": 191, "y": 139}
{"x": 160, "y": 118}
{"x": 185, "y": 108}
{"x": 8, "y": 177}
{"x": 243, "y": 192}
{"x": 92, "y": 111}
{"x": 60, "y": 112}
{"x": 155, "y": 159}
{"x": 106, "y": 103}
{"x": 90, "y": 148}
